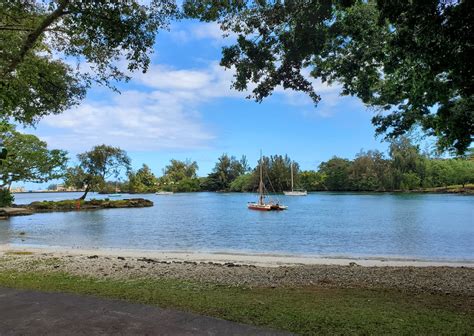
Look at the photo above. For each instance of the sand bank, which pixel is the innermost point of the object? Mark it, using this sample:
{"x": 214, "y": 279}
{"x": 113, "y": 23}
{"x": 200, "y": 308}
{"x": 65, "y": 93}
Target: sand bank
{"x": 263, "y": 260}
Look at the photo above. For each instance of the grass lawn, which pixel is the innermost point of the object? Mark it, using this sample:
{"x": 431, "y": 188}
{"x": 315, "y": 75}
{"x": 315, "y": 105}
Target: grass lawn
{"x": 306, "y": 311}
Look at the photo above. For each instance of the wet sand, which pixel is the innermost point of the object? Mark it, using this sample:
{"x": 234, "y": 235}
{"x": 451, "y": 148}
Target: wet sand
{"x": 263, "y": 260}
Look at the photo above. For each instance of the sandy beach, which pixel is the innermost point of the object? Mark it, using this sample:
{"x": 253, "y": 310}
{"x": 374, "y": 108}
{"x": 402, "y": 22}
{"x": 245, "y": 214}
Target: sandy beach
{"x": 247, "y": 270}
{"x": 262, "y": 260}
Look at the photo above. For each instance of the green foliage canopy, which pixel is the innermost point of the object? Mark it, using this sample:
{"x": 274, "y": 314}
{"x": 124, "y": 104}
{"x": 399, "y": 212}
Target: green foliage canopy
{"x": 142, "y": 181}
{"x": 409, "y": 60}
{"x": 226, "y": 170}
{"x": 336, "y": 171}
{"x": 180, "y": 176}
{"x": 39, "y": 39}
{"x": 276, "y": 173}
{"x": 28, "y": 158}
{"x": 96, "y": 166}
{"x": 6, "y": 198}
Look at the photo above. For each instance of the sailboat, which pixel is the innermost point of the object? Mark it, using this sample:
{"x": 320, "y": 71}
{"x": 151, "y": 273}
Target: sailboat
{"x": 293, "y": 192}
{"x": 116, "y": 192}
{"x": 161, "y": 192}
{"x": 261, "y": 204}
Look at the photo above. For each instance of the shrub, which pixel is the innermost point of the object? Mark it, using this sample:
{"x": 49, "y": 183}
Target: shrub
{"x": 6, "y": 198}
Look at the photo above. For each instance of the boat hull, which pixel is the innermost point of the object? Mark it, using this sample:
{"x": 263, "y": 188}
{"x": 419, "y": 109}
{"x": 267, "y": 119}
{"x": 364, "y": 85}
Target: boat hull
{"x": 266, "y": 207}
{"x": 295, "y": 193}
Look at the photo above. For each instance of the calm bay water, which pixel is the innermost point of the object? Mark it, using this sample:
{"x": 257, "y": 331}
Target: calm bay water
{"x": 435, "y": 227}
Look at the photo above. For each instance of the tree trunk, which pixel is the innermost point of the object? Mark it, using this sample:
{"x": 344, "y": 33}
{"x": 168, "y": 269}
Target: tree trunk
{"x": 83, "y": 197}
{"x": 35, "y": 34}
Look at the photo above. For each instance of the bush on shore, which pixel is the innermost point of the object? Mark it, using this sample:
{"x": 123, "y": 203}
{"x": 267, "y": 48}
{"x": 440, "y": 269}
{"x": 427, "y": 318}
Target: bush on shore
{"x": 6, "y": 198}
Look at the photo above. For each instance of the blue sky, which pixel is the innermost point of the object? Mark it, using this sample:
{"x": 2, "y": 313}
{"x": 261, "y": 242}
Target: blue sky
{"x": 183, "y": 107}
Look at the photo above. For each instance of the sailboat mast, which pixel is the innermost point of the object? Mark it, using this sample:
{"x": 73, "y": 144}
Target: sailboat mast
{"x": 292, "y": 176}
{"x": 260, "y": 186}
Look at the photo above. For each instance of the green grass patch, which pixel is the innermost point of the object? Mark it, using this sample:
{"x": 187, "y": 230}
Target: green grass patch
{"x": 306, "y": 311}
{"x": 18, "y": 253}
{"x": 67, "y": 205}
{"x": 53, "y": 205}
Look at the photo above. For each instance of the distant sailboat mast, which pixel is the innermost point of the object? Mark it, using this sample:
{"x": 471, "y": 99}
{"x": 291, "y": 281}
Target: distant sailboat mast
{"x": 291, "y": 176}
{"x": 260, "y": 186}
{"x": 292, "y": 192}
{"x": 260, "y": 204}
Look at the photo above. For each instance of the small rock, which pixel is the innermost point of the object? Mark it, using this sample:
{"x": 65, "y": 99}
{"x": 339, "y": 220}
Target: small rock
{"x": 120, "y": 258}
{"x": 148, "y": 260}
{"x": 93, "y": 256}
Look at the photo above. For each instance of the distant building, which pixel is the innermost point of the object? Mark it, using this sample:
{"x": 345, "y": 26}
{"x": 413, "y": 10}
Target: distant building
{"x": 17, "y": 189}
{"x": 62, "y": 187}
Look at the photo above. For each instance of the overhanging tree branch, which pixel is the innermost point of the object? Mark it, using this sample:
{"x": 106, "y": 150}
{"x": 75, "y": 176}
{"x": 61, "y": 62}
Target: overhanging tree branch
{"x": 35, "y": 34}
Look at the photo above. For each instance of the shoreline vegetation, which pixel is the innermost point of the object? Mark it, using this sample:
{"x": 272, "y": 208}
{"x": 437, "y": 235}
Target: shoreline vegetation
{"x": 467, "y": 189}
{"x": 404, "y": 169}
{"x": 305, "y": 299}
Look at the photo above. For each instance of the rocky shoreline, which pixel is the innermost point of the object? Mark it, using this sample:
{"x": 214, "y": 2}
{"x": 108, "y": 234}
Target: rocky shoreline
{"x": 14, "y": 211}
{"x": 439, "y": 280}
{"x": 72, "y": 205}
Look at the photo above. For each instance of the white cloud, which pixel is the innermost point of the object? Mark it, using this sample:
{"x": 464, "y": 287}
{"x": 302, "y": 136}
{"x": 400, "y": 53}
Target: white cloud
{"x": 201, "y": 31}
{"x": 210, "y": 30}
{"x": 133, "y": 121}
{"x": 161, "y": 77}
{"x": 195, "y": 85}
{"x": 163, "y": 111}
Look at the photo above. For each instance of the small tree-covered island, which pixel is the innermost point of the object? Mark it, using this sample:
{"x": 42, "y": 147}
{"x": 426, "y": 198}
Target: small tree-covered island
{"x": 138, "y": 137}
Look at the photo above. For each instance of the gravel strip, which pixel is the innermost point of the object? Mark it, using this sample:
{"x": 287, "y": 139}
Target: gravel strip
{"x": 442, "y": 280}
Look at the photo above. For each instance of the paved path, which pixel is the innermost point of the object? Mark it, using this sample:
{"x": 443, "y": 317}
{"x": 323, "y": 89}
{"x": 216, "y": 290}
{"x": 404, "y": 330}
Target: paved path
{"x": 39, "y": 313}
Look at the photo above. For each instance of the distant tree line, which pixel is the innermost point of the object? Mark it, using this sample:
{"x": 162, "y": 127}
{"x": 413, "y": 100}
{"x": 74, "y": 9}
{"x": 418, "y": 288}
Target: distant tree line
{"x": 107, "y": 169}
{"x": 404, "y": 168}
